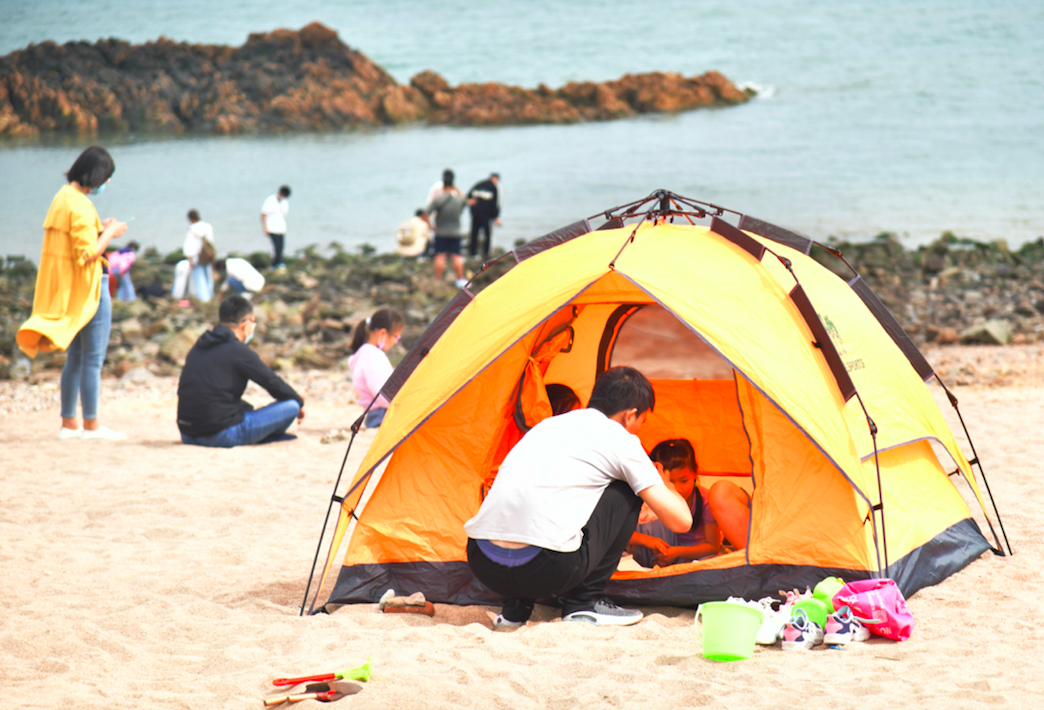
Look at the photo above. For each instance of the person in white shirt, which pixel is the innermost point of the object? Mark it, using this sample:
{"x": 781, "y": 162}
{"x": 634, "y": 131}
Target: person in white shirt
{"x": 564, "y": 505}
{"x": 273, "y": 221}
{"x": 240, "y": 276}
{"x": 194, "y": 270}
{"x": 412, "y": 236}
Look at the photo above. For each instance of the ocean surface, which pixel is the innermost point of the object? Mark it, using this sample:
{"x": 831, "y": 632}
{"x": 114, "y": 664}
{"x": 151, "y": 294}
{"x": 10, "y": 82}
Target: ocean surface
{"x": 910, "y": 116}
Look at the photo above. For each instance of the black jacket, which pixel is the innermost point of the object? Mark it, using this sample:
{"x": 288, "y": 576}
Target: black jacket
{"x": 215, "y": 375}
{"x": 487, "y": 200}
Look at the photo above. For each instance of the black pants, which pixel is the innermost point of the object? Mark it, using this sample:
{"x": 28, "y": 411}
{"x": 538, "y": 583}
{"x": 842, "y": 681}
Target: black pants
{"x": 578, "y": 577}
{"x": 480, "y": 224}
{"x": 277, "y": 248}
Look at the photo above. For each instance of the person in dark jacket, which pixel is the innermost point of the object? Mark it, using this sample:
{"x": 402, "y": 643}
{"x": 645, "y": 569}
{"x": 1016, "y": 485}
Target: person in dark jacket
{"x": 484, "y": 200}
{"x": 211, "y": 411}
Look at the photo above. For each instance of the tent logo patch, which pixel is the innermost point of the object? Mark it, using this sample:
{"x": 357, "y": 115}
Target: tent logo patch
{"x": 852, "y": 363}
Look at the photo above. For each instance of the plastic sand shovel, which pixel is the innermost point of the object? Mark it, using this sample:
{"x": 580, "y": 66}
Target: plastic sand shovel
{"x": 323, "y": 695}
{"x": 363, "y": 673}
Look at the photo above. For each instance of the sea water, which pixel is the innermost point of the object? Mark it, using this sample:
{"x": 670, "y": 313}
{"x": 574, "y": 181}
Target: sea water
{"x": 911, "y": 116}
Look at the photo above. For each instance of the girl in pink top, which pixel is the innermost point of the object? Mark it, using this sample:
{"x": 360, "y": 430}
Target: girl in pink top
{"x": 371, "y": 368}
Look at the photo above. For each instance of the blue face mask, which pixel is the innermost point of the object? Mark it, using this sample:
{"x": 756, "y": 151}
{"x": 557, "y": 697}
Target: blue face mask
{"x": 250, "y": 335}
{"x": 100, "y": 189}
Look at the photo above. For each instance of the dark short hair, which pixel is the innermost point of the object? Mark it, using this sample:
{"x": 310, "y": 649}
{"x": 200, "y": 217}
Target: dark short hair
{"x": 619, "y": 389}
{"x": 92, "y": 168}
{"x": 134, "y": 246}
{"x": 193, "y": 215}
{"x": 495, "y": 175}
{"x": 285, "y": 191}
{"x": 418, "y": 213}
{"x": 220, "y": 266}
{"x": 234, "y": 309}
{"x": 447, "y": 177}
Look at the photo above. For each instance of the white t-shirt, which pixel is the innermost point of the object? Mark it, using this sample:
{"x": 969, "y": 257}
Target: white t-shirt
{"x": 245, "y": 273}
{"x": 197, "y": 232}
{"x": 550, "y": 483}
{"x": 436, "y": 190}
{"x": 275, "y": 211}
{"x": 371, "y": 368}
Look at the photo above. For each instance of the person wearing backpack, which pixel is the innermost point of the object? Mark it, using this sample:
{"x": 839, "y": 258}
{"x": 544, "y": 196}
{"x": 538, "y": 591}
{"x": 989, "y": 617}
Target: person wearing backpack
{"x": 199, "y": 253}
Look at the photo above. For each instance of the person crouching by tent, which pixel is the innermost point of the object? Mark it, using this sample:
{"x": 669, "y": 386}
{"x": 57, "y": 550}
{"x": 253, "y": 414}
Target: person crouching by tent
{"x": 371, "y": 368}
{"x": 240, "y": 276}
{"x": 565, "y": 502}
{"x": 211, "y": 411}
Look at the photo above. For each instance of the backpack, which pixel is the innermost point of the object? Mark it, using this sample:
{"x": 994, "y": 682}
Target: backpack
{"x": 207, "y": 252}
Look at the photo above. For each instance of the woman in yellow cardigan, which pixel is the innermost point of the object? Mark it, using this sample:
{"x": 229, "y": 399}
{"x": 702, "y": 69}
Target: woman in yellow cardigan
{"x": 72, "y": 308}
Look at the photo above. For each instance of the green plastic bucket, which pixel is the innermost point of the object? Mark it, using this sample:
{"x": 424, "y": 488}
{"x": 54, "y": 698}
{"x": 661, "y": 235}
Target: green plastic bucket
{"x": 728, "y": 630}
{"x": 826, "y": 590}
{"x": 815, "y": 609}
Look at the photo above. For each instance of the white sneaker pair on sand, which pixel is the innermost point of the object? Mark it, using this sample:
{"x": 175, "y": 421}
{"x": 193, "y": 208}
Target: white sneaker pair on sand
{"x": 102, "y": 433}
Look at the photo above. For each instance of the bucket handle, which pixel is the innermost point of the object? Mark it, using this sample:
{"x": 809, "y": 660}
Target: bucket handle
{"x": 697, "y": 621}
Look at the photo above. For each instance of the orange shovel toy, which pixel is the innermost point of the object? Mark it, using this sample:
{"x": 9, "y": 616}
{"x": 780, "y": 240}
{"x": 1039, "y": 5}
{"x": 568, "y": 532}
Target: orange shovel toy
{"x": 363, "y": 673}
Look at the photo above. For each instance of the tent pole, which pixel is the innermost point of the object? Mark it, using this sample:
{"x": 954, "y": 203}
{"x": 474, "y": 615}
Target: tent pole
{"x": 977, "y": 462}
{"x": 333, "y": 499}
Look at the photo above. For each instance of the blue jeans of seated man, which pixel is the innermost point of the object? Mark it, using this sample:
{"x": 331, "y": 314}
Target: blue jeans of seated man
{"x": 81, "y": 376}
{"x": 257, "y": 425}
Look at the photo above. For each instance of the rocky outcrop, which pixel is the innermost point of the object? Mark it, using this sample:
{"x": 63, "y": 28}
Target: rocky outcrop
{"x": 286, "y": 80}
{"x": 952, "y": 290}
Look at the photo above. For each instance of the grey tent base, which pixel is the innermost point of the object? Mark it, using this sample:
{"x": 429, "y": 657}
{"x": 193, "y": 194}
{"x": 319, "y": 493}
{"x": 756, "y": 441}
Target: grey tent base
{"x": 453, "y": 583}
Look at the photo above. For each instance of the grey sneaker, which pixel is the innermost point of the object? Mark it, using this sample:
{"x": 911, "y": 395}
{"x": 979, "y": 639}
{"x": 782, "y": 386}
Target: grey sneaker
{"x": 605, "y": 613}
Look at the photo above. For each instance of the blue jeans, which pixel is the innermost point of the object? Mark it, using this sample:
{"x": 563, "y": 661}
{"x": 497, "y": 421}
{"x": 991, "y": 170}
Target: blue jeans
{"x": 125, "y": 289}
{"x": 374, "y": 418}
{"x": 257, "y": 425}
{"x": 236, "y": 285}
{"x": 81, "y": 376}
{"x": 202, "y": 282}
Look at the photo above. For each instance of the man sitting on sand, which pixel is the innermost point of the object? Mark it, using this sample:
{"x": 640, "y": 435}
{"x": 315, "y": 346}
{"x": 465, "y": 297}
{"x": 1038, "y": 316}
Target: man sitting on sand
{"x": 564, "y": 505}
{"x": 211, "y": 411}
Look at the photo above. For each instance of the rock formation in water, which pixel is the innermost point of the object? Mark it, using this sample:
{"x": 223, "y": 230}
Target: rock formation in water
{"x": 286, "y": 80}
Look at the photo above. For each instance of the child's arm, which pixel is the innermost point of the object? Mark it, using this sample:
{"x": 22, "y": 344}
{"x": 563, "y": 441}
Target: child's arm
{"x": 651, "y": 541}
{"x": 695, "y": 552}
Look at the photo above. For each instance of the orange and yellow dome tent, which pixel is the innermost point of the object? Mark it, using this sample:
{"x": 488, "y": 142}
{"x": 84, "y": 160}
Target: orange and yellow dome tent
{"x": 825, "y": 417}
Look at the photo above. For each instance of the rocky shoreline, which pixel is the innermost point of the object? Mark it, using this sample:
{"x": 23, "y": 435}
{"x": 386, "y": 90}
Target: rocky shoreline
{"x": 952, "y": 291}
{"x": 306, "y": 80}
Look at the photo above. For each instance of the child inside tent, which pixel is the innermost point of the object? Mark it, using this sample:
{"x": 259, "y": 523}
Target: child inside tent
{"x": 652, "y": 544}
{"x": 371, "y": 368}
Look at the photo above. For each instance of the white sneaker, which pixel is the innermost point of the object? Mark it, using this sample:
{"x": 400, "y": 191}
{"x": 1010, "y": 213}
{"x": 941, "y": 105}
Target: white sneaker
{"x": 65, "y": 433}
{"x": 801, "y": 633}
{"x": 103, "y": 433}
{"x": 502, "y": 624}
{"x": 460, "y": 283}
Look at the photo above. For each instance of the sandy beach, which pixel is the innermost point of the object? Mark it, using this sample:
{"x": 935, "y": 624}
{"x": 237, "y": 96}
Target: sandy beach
{"x": 149, "y": 574}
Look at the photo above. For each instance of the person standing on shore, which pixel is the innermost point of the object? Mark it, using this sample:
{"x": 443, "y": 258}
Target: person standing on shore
{"x": 72, "y": 307}
{"x": 484, "y": 200}
{"x": 199, "y": 250}
{"x": 273, "y": 221}
{"x": 447, "y": 209}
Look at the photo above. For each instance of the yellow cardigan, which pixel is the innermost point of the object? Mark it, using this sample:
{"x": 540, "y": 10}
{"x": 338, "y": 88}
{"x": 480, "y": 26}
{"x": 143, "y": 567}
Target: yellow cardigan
{"x": 68, "y": 290}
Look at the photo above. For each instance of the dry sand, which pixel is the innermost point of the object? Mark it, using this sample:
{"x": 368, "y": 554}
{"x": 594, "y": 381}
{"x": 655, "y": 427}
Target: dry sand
{"x": 149, "y": 574}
